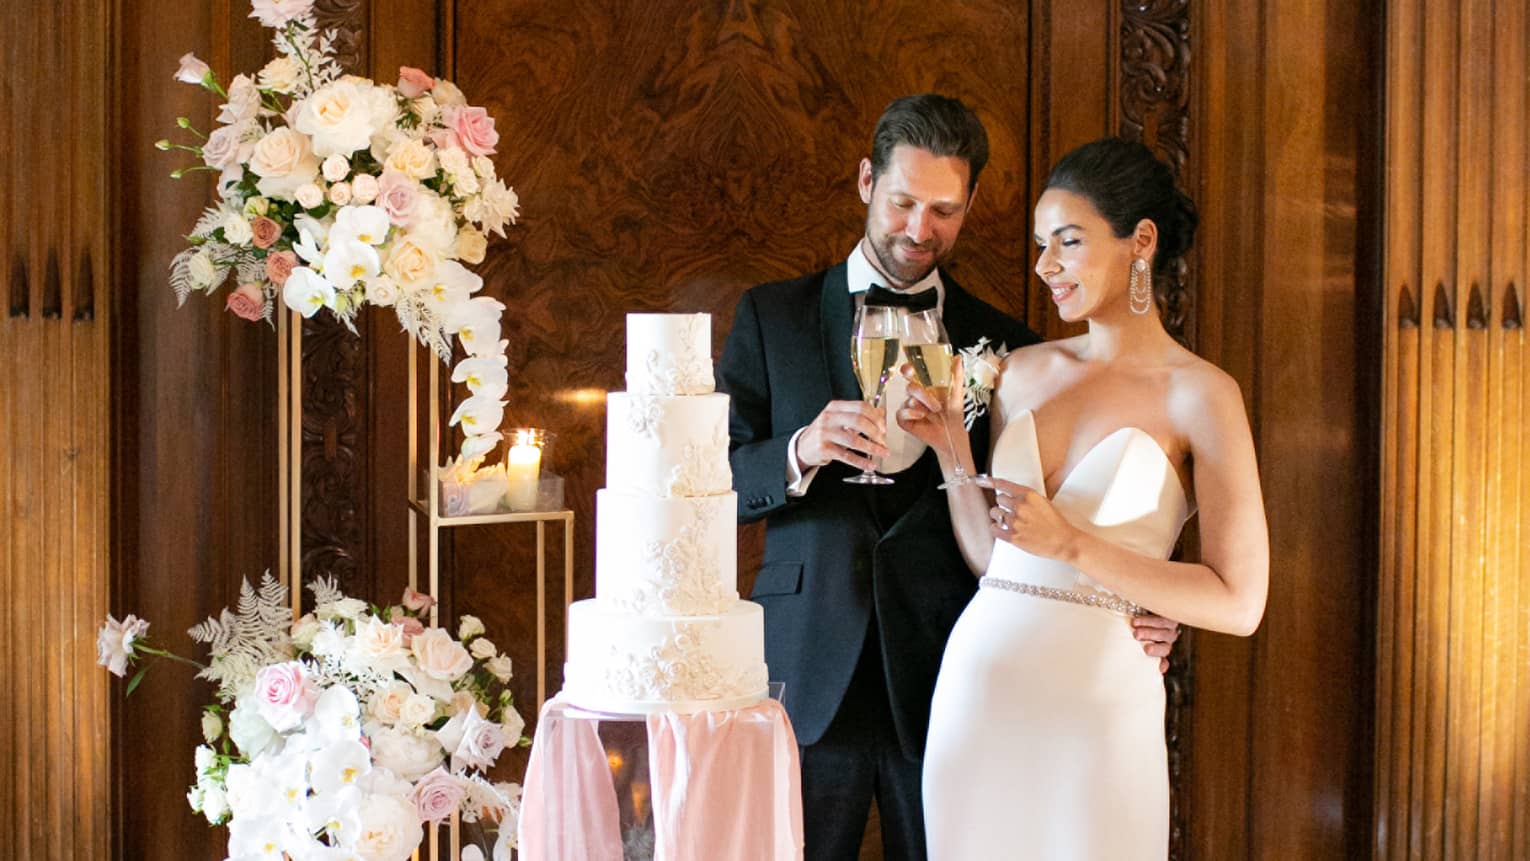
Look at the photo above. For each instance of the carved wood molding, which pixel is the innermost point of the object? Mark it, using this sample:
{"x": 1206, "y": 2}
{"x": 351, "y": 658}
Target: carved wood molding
{"x": 1155, "y": 98}
{"x": 335, "y": 394}
{"x": 1155, "y": 88}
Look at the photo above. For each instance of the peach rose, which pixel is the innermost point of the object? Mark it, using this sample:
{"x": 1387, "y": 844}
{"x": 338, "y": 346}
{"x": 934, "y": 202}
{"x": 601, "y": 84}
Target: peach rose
{"x": 364, "y": 188}
{"x": 472, "y": 129}
{"x": 247, "y": 302}
{"x": 264, "y": 232}
{"x": 279, "y": 266}
{"x": 471, "y": 245}
{"x": 413, "y": 83}
{"x": 440, "y": 656}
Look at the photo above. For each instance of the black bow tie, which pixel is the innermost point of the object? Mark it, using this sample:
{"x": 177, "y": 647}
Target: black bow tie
{"x": 924, "y": 300}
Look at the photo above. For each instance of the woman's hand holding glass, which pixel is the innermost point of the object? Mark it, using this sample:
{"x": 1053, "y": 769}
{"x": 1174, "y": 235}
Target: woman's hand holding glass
{"x": 930, "y": 412}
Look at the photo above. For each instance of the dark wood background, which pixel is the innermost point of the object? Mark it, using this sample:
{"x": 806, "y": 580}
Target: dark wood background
{"x": 669, "y": 154}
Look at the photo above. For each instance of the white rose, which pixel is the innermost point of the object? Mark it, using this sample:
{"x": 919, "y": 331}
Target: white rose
{"x": 204, "y": 755}
{"x": 405, "y": 754}
{"x": 447, "y": 93}
{"x": 388, "y": 703}
{"x": 500, "y": 667}
{"x": 249, "y": 731}
{"x": 514, "y": 725}
{"x": 483, "y": 649}
{"x": 303, "y": 631}
{"x": 390, "y": 828}
{"x": 243, "y": 101}
{"x": 379, "y": 644}
{"x": 412, "y": 158}
{"x": 382, "y": 292}
{"x": 469, "y": 626}
{"x": 212, "y": 727}
{"x": 340, "y": 194}
{"x": 336, "y": 168}
{"x": 483, "y": 166}
{"x": 985, "y": 372}
{"x": 364, "y": 188}
{"x": 236, "y": 230}
{"x": 417, "y": 710}
{"x": 284, "y": 161}
{"x": 471, "y": 246}
{"x": 309, "y": 196}
{"x": 426, "y": 109}
{"x": 202, "y": 269}
{"x": 339, "y": 118}
{"x": 280, "y": 75}
{"x": 214, "y": 804}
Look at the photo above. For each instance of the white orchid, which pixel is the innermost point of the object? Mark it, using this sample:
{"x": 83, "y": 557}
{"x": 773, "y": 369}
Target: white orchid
{"x": 477, "y": 414}
{"x": 483, "y": 374}
{"x": 368, "y": 224}
{"x": 339, "y": 765}
{"x": 306, "y": 291}
{"x": 348, "y": 261}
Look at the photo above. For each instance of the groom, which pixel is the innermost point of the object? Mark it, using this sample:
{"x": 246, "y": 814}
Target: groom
{"x": 860, "y": 584}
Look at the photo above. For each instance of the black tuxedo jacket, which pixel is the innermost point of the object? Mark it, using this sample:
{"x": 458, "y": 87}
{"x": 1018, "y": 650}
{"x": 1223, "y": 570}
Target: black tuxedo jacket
{"x": 827, "y": 566}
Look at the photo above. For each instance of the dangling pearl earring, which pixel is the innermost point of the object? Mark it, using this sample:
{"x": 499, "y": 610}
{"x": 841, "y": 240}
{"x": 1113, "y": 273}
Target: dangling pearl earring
{"x": 1139, "y": 290}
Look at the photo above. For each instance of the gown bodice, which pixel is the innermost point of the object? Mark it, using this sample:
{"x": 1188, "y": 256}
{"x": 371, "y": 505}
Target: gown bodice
{"x": 1124, "y": 490}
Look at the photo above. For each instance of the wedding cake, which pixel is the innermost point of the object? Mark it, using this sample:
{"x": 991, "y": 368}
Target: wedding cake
{"x": 666, "y": 630}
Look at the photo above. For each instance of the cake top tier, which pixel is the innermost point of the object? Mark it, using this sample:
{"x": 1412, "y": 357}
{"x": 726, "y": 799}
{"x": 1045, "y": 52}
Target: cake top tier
{"x": 669, "y": 354}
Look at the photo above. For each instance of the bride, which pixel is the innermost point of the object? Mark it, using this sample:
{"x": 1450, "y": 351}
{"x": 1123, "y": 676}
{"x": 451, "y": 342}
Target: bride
{"x": 1046, "y": 734}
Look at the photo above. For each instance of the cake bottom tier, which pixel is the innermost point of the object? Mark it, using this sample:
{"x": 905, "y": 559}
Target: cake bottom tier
{"x": 630, "y": 664}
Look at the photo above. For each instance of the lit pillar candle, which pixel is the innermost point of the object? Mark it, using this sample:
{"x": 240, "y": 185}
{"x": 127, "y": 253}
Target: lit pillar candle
{"x": 522, "y": 470}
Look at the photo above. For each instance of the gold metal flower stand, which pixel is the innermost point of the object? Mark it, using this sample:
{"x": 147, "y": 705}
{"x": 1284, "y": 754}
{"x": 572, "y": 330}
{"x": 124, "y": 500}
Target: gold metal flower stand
{"x": 424, "y": 502}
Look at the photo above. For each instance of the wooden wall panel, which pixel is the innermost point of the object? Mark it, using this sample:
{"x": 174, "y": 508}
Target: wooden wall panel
{"x": 1454, "y": 632}
{"x": 193, "y": 419}
{"x": 55, "y": 246}
{"x": 1283, "y": 149}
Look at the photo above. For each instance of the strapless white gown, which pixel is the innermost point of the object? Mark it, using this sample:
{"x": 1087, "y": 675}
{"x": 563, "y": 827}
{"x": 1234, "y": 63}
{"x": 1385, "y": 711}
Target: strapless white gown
{"x": 1046, "y": 733}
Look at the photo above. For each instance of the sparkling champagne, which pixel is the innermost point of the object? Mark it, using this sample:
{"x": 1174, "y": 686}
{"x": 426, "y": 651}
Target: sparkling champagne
{"x": 874, "y": 359}
{"x": 932, "y": 363}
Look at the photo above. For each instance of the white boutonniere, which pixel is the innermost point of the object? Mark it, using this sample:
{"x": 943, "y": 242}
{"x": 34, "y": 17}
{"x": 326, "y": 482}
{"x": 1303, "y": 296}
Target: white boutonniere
{"x": 980, "y": 369}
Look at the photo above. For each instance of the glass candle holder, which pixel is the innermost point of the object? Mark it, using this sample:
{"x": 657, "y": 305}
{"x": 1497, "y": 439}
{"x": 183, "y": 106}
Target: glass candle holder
{"x": 523, "y": 466}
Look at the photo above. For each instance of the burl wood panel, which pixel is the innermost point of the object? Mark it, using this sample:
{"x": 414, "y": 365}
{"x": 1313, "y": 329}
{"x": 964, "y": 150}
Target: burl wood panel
{"x": 669, "y": 155}
{"x": 1453, "y": 626}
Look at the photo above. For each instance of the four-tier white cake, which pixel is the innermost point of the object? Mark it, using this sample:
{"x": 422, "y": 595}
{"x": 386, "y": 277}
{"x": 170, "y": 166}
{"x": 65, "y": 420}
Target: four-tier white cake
{"x": 666, "y": 630}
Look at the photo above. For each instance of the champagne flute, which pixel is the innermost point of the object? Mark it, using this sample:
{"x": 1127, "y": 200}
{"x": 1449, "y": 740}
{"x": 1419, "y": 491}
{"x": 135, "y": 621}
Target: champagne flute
{"x": 874, "y": 353}
{"x": 929, "y": 351}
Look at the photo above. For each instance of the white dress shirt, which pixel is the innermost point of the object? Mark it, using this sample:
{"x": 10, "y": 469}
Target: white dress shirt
{"x": 904, "y": 449}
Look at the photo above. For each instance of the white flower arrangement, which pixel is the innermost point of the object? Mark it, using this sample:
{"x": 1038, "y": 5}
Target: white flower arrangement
{"x": 344, "y": 731}
{"x": 980, "y": 369}
{"x": 336, "y": 192}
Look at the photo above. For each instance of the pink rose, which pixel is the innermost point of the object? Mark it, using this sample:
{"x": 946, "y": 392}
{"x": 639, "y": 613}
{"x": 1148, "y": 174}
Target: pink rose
{"x": 473, "y": 129}
{"x": 224, "y": 147}
{"x": 264, "y": 232}
{"x": 279, "y": 266}
{"x": 412, "y": 627}
{"x": 114, "y": 644}
{"x": 417, "y": 601}
{"x": 398, "y": 195}
{"x": 438, "y": 795}
{"x": 283, "y": 695}
{"x": 413, "y": 83}
{"x": 247, "y": 302}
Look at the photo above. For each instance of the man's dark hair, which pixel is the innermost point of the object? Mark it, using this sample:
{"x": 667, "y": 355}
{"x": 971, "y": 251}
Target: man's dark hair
{"x": 938, "y": 124}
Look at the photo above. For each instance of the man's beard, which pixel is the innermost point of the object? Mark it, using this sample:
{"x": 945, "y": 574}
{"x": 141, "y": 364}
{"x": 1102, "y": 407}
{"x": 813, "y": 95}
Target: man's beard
{"x": 905, "y": 274}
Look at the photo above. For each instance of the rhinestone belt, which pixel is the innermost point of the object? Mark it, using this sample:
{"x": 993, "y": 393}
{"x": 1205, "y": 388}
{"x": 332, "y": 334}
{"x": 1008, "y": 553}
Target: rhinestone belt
{"x": 1104, "y": 601}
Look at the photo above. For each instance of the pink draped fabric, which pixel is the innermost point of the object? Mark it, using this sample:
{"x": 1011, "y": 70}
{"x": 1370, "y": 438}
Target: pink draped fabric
{"x": 568, "y": 810}
{"x": 719, "y": 786}
{"x": 725, "y": 785}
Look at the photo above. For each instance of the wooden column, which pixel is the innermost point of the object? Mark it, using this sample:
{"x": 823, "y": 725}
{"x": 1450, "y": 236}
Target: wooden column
{"x": 1453, "y": 632}
{"x": 56, "y": 247}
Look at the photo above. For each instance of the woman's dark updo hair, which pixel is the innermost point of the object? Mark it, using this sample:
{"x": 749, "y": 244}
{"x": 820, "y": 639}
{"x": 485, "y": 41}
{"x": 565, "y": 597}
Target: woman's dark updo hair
{"x": 1127, "y": 183}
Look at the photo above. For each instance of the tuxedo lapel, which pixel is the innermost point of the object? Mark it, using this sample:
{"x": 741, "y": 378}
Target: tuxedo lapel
{"x": 836, "y": 310}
